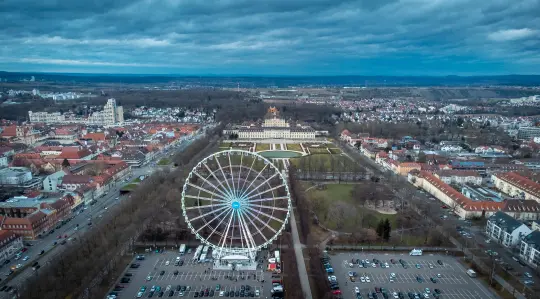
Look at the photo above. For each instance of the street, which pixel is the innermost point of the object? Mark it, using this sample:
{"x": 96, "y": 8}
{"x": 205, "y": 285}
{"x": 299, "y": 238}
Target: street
{"x": 51, "y": 243}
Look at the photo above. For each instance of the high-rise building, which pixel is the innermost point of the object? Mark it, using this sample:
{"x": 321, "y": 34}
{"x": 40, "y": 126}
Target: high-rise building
{"x": 111, "y": 114}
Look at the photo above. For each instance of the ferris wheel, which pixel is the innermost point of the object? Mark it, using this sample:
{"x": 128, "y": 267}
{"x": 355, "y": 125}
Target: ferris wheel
{"x": 236, "y": 202}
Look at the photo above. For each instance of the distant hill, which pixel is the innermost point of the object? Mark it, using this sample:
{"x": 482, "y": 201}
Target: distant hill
{"x": 280, "y": 81}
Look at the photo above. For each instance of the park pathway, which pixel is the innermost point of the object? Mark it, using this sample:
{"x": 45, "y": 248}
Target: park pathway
{"x": 300, "y": 263}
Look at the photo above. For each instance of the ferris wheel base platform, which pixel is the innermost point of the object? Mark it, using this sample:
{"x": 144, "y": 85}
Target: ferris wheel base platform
{"x": 239, "y": 263}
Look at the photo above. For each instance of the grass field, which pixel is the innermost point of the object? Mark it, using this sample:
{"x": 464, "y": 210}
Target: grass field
{"x": 318, "y": 150}
{"x": 335, "y": 193}
{"x": 164, "y": 161}
{"x": 130, "y": 186}
{"x": 262, "y": 147}
{"x": 335, "y": 151}
{"x": 294, "y": 147}
{"x": 317, "y": 159}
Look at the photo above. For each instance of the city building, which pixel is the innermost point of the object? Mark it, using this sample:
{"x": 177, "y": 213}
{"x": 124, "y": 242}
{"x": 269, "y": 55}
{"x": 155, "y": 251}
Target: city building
{"x": 459, "y": 177}
{"x": 516, "y": 185}
{"x": 18, "y": 177}
{"x": 523, "y": 210}
{"x": 461, "y": 205}
{"x": 529, "y": 249}
{"x": 51, "y": 182}
{"x": 10, "y": 244}
{"x": 110, "y": 115}
{"x": 528, "y": 133}
{"x": 505, "y": 229}
{"x": 273, "y": 127}
{"x": 478, "y": 193}
{"x": 45, "y": 117}
{"x": 535, "y": 225}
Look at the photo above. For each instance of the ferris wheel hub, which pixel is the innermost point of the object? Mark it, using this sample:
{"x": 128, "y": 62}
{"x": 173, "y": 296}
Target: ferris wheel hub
{"x": 236, "y": 205}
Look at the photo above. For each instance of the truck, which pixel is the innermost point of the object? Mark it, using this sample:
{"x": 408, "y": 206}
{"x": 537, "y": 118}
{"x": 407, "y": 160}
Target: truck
{"x": 471, "y": 273}
{"x": 182, "y": 249}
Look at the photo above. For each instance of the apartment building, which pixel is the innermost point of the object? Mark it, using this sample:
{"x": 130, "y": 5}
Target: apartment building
{"x": 516, "y": 185}
{"x": 505, "y": 229}
{"x": 459, "y": 177}
{"x": 45, "y": 117}
{"x": 528, "y": 133}
{"x": 529, "y": 249}
{"x": 10, "y": 244}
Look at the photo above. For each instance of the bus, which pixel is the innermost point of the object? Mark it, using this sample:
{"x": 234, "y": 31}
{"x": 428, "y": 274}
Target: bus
{"x": 182, "y": 249}
{"x": 197, "y": 253}
{"x": 204, "y": 252}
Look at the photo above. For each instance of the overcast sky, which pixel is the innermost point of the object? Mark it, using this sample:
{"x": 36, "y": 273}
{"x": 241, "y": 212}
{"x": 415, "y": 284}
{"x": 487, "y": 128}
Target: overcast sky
{"x": 274, "y": 37}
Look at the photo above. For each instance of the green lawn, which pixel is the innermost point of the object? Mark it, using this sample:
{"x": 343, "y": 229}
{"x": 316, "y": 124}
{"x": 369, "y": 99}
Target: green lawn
{"x": 294, "y": 147}
{"x": 326, "y": 160}
{"x": 262, "y": 147}
{"x": 323, "y": 201}
{"x": 318, "y": 150}
{"x": 130, "y": 186}
{"x": 335, "y": 151}
{"x": 164, "y": 161}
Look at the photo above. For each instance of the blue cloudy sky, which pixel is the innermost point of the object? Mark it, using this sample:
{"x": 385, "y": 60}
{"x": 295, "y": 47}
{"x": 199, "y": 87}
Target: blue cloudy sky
{"x": 274, "y": 37}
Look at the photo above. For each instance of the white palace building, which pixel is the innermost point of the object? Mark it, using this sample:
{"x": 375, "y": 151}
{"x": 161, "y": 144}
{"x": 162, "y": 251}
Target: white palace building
{"x": 273, "y": 127}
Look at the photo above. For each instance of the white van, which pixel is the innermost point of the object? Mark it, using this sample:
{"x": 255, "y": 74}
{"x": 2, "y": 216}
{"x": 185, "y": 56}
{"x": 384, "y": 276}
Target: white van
{"x": 415, "y": 252}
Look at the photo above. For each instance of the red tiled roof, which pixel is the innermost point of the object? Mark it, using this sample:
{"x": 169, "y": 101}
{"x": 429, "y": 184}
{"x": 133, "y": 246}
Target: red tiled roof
{"x": 94, "y": 136}
{"x": 76, "y": 179}
{"x": 462, "y": 200}
{"x": 5, "y": 235}
{"x": 10, "y": 131}
{"x": 520, "y": 182}
{"x": 79, "y": 154}
{"x": 521, "y": 206}
{"x": 346, "y": 133}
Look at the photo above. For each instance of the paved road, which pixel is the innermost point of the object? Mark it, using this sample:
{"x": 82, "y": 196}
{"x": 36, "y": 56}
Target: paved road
{"x": 300, "y": 263}
{"x": 93, "y": 213}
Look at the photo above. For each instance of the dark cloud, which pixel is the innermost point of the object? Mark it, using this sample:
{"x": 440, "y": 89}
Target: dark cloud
{"x": 271, "y": 36}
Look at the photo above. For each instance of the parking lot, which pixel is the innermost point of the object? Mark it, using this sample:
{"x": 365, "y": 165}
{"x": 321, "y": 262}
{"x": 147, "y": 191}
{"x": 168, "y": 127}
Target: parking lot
{"x": 158, "y": 269}
{"x": 421, "y": 272}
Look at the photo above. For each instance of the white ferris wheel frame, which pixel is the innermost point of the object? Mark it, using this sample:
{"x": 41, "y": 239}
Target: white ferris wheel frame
{"x": 252, "y": 247}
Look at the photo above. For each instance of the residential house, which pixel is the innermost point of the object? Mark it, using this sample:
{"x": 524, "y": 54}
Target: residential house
{"x": 458, "y": 203}
{"x": 460, "y": 177}
{"x": 529, "y": 249}
{"x": 516, "y": 185}
{"x": 10, "y": 244}
{"x": 505, "y": 229}
{"x": 405, "y": 167}
{"x": 523, "y": 210}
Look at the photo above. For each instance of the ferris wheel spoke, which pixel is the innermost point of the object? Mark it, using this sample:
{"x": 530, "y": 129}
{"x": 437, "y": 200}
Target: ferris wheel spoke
{"x": 239, "y": 174}
{"x": 206, "y": 206}
{"x": 206, "y": 214}
{"x": 208, "y": 222}
{"x": 223, "y": 238}
{"x": 265, "y": 214}
{"x": 221, "y": 198}
{"x": 262, "y": 222}
{"x": 232, "y": 176}
{"x": 223, "y": 193}
{"x": 261, "y": 184}
{"x": 224, "y": 177}
{"x": 247, "y": 231}
{"x": 257, "y": 228}
{"x": 267, "y": 199}
{"x": 254, "y": 180}
{"x": 267, "y": 207}
{"x": 216, "y": 227}
{"x": 243, "y": 234}
{"x": 247, "y": 176}
{"x": 265, "y": 191}
{"x": 226, "y": 190}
